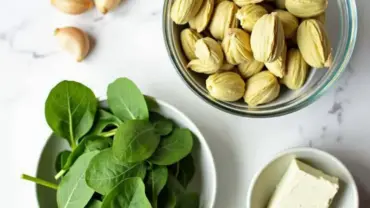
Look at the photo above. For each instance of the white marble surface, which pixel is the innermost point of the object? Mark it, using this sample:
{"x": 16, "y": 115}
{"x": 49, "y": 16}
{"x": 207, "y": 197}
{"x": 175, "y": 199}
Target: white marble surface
{"x": 129, "y": 43}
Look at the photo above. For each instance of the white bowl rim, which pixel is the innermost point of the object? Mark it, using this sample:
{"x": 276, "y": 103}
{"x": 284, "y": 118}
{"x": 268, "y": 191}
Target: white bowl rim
{"x": 187, "y": 120}
{"x": 345, "y": 170}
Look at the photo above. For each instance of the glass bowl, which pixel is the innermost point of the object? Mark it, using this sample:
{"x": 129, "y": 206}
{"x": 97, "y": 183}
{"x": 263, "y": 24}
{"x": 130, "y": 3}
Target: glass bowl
{"x": 341, "y": 24}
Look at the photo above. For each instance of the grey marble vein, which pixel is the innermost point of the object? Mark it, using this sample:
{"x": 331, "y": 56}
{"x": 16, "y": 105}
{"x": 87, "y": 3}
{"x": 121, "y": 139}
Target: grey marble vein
{"x": 9, "y": 36}
{"x": 337, "y": 108}
{"x": 323, "y": 132}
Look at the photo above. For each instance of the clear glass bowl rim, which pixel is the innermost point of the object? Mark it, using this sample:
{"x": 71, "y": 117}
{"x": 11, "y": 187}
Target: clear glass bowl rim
{"x": 350, "y": 22}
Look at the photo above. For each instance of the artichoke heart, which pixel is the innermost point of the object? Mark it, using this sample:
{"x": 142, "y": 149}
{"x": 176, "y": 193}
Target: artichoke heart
{"x": 305, "y": 9}
{"x": 297, "y": 70}
{"x": 209, "y": 55}
{"x": 236, "y": 46}
{"x": 313, "y": 42}
{"x": 249, "y": 14}
{"x": 250, "y": 68}
{"x": 261, "y": 88}
{"x": 267, "y": 39}
{"x": 183, "y": 10}
{"x": 223, "y": 18}
{"x": 226, "y": 86}
{"x": 188, "y": 39}
{"x": 277, "y": 67}
{"x": 246, "y": 2}
{"x": 289, "y": 22}
{"x": 201, "y": 20}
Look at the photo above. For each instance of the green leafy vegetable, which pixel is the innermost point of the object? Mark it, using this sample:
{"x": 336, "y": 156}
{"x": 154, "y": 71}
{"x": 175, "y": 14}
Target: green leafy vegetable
{"x": 101, "y": 172}
{"x": 135, "y": 141}
{"x": 130, "y": 193}
{"x": 173, "y": 148}
{"x": 174, "y": 185}
{"x": 76, "y": 153}
{"x": 104, "y": 120}
{"x": 187, "y": 200}
{"x": 174, "y": 195}
{"x": 155, "y": 182}
{"x": 167, "y": 198}
{"x": 40, "y": 181}
{"x": 61, "y": 160}
{"x": 73, "y": 192}
{"x": 94, "y": 204}
{"x": 162, "y": 125}
{"x": 184, "y": 170}
{"x": 126, "y": 101}
{"x": 70, "y": 110}
{"x": 97, "y": 143}
{"x": 105, "y": 172}
{"x": 151, "y": 103}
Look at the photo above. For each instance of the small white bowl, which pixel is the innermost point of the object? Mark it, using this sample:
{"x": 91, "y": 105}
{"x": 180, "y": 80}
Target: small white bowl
{"x": 204, "y": 181}
{"x": 265, "y": 181}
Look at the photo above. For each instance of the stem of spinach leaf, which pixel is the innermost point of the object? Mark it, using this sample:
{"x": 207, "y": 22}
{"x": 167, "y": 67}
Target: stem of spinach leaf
{"x": 40, "y": 181}
{"x": 177, "y": 169}
{"x": 73, "y": 144}
{"x": 108, "y": 133}
{"x": 59, "y": 174}
{"x": 70, "y": 120}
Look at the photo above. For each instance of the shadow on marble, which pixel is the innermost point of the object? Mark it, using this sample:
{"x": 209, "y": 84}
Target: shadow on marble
{"x": 226, "y": 165}
{"x": 359, "y": 171}
{"x": 364, "y": 195}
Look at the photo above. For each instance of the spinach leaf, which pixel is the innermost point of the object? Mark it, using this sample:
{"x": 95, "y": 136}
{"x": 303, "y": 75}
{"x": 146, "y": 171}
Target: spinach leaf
{"x": 162, "y": 125}
{"x": 155, "y": 181}
{"x": 130, "y": 193}
{"x": 173, "y": 148}
{"x": 105, "y": 172}
{"x": 97, "y": 143}
{"x": 188, "y": 200}
{"x": 61, "y": 160}
{"x": 183, "y": 170}
{"x": 73, "y": 192}
{"x": 151, "y": 103}
{"x": 126, "y": 101}
{"x": 174, "y": 185}
{"x": 94, "y": 204}
{"x": 79, "y": 150}
{"x": 167, "y": 198}
{"x": 135, "y": 141}
{"x": 76, "y": 153}
{"x": 70, "y": 110}
{"x": 104, "y": 120}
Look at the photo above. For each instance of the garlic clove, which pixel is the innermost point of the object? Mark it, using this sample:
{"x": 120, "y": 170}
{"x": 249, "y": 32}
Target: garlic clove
{"x": 73, "y": 40}
{"x": 73, "y": 6}
{"x": 104, "y": 6}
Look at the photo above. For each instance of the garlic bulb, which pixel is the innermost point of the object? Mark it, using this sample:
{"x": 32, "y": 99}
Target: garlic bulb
{"x": 73, "y": 6}
{"x": 104, "y": 6}
{"x": 73, "y": 40}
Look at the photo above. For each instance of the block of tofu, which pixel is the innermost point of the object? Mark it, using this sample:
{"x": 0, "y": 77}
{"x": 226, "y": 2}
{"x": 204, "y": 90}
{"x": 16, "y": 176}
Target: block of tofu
{"x": 303, "y": 186}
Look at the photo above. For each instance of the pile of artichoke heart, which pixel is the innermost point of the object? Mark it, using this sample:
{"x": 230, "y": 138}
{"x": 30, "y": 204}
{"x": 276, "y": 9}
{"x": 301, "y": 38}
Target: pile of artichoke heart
{"x": 249, "y": 47}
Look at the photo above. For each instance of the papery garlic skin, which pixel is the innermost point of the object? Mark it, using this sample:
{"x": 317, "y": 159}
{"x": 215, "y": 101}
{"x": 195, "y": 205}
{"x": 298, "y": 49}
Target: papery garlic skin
{"x": 73, "y": 6}
{"x": 73, "y": 40}
{"x": 104, "y": 6}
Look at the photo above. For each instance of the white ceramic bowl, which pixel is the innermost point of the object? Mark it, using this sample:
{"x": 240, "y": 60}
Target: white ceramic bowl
{"x": 264, "y": 182}
{"x": 204, "y": 181}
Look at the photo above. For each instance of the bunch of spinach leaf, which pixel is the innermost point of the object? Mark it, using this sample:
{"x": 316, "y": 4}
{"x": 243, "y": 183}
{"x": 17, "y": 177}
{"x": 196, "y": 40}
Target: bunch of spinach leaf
{"x": 123, "y": 156}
